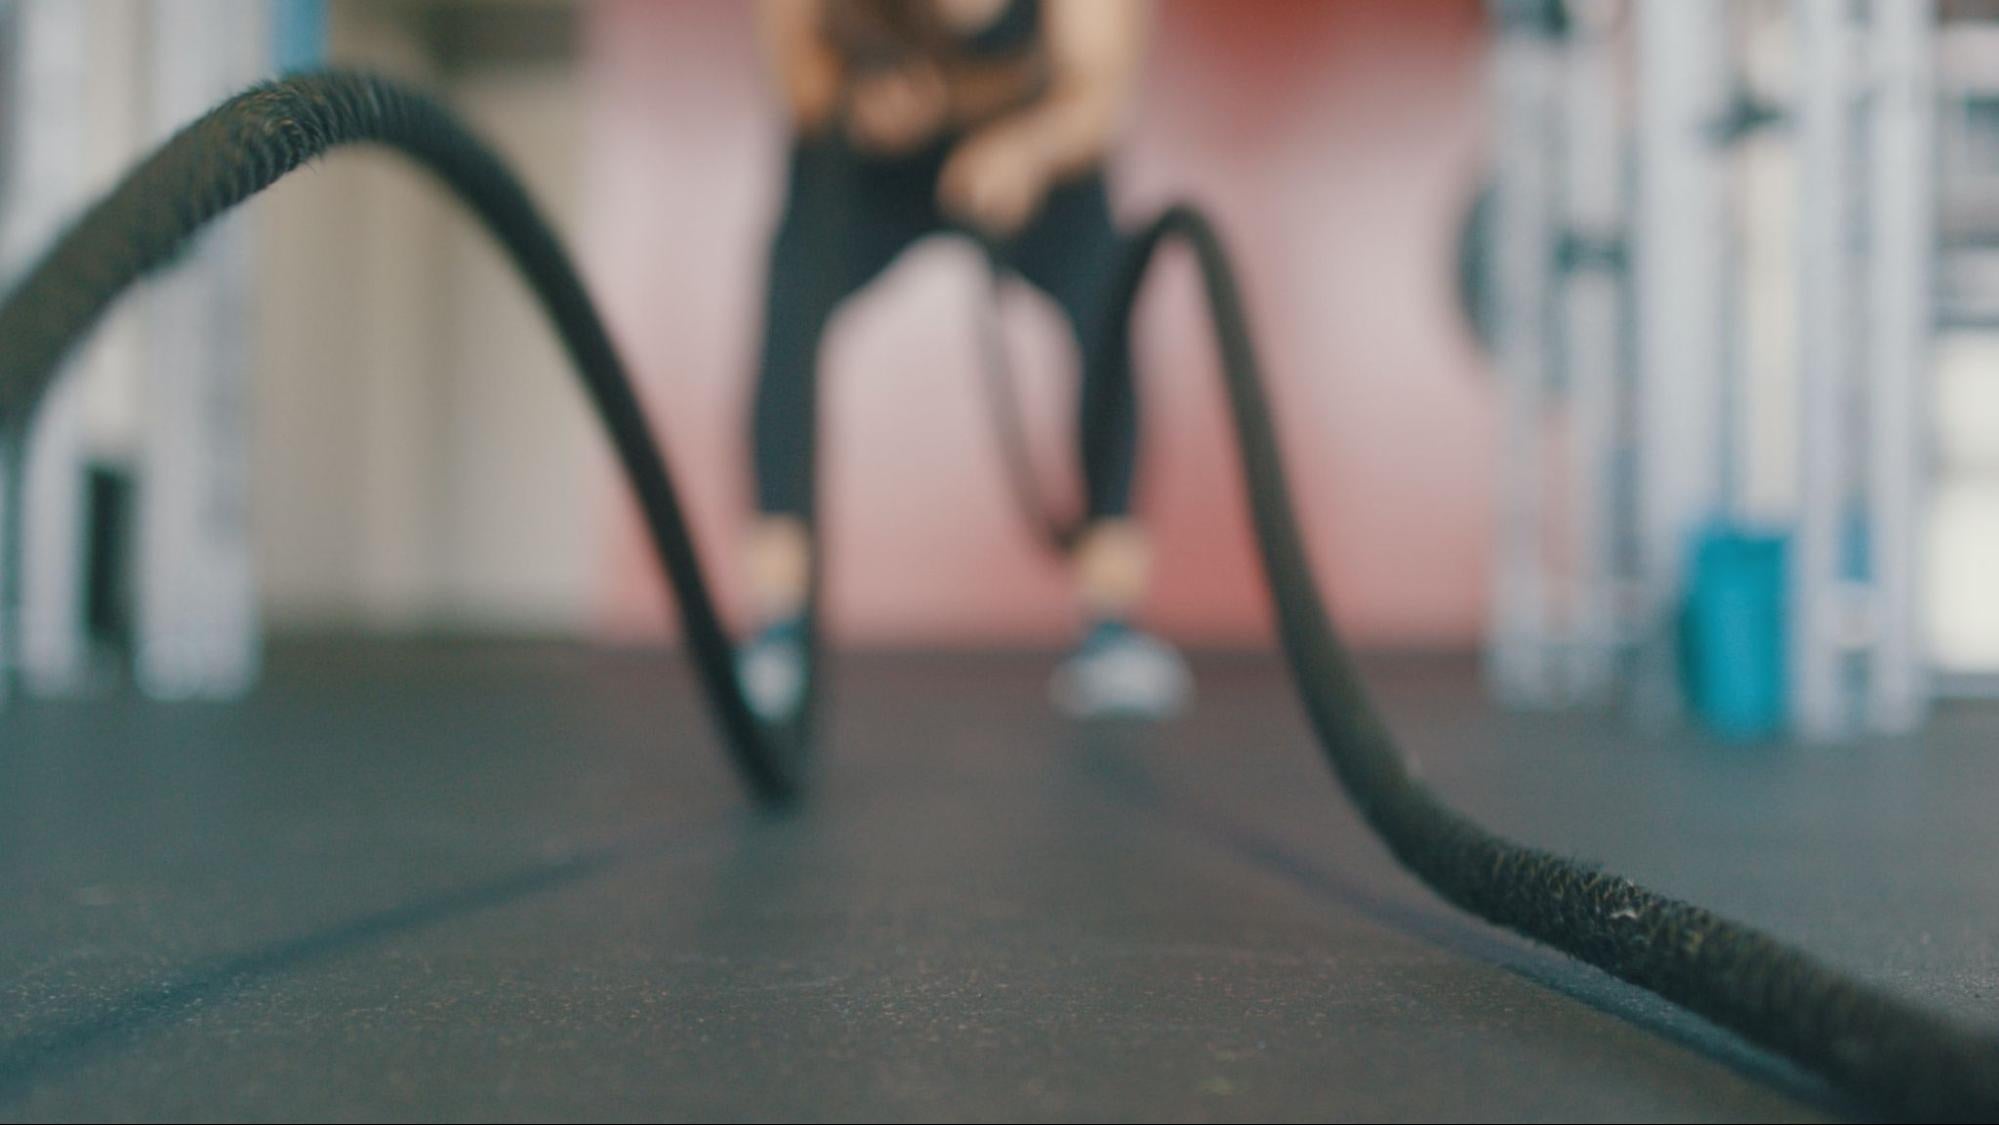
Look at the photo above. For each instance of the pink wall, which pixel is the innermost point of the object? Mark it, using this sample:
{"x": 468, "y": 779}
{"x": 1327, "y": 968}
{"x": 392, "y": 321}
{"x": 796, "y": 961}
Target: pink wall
{"x": 1332, "y": 141}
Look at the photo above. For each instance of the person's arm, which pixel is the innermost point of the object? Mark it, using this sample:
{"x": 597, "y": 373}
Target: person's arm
{"x": 807, "y": 69}
{"x": 998, "y": 176}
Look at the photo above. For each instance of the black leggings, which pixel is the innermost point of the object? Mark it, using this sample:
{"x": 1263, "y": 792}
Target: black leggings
{"x": 846, "y": 217}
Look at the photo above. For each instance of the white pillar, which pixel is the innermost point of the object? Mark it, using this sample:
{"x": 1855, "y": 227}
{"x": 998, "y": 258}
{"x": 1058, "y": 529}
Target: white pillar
{"x": 1903, "y": 209}
{"x": 1679, "y": 263}
{"x": 1525, "y": 84}
{"x": 1593, "y": 339}
{"x": 197, "y": 630}
{"x": 1825, "y": 341}
{"x": 48, "y": 176}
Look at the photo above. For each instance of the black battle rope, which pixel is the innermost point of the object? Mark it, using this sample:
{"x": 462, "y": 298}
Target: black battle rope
{"x": 245, "y": 145}
{"x": 1104, "y": 404}
{"x": 1059, "y": 533}
{"x": 1890, "y": 1053}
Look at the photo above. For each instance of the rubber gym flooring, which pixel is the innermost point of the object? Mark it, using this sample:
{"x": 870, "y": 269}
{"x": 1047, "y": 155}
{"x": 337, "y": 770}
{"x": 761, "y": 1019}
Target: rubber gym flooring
{"x": 481, "y": 880}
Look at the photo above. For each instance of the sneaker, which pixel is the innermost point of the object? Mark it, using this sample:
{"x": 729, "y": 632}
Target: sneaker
{"x": 1121, "y": 672}
{"x": 771, "y": 669}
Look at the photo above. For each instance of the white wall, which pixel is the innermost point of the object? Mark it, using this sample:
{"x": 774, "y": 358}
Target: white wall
{"x": 422, "y": 458}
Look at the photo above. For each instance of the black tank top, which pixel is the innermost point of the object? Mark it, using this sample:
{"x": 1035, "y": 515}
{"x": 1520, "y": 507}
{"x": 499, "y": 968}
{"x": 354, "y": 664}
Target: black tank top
{"x": 1015, "y": 32}
{"x": 884, "y": 33}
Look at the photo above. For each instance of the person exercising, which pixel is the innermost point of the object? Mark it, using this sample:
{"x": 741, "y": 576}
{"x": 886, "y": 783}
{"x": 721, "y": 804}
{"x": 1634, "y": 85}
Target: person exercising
{"x": 988, "y": 118}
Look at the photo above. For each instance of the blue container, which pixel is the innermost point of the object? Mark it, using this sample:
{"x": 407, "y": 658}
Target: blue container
{"x": 298, "y": 35}
{"x": 1733, "y": 631}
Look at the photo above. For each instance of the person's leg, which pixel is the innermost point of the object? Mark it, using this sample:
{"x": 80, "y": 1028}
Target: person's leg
{"x": 799, "y": 300}
{"x": 1072, "y": 252}
{"x": 845, "y": 219}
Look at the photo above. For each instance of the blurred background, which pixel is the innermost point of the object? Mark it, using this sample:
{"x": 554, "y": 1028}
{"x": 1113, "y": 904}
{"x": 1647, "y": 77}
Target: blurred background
{"x": 1643, "y": 346}
{"x": 419, "y": 457}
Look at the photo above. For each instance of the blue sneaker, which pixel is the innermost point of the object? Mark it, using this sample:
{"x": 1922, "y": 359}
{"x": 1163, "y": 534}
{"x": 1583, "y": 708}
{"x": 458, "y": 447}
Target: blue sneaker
{"x": 771, "y": 669}
{"x": 1121, "y": 672}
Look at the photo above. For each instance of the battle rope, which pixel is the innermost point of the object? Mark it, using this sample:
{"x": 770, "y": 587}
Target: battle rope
{"x": 248, "y": 143}
{"x": 1058, "y": 532}
{"x": 1104, "y": 403}
{"x": 1896, "y": 1056}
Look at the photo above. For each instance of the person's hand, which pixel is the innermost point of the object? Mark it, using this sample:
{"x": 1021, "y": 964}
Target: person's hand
{"x": 812, "y": 87}
{"x": 995, "y": 181}
{"x": 896, "y": 111}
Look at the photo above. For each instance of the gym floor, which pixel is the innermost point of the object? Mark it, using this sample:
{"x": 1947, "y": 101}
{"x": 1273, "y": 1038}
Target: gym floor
{"x": 422, "y": 881}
